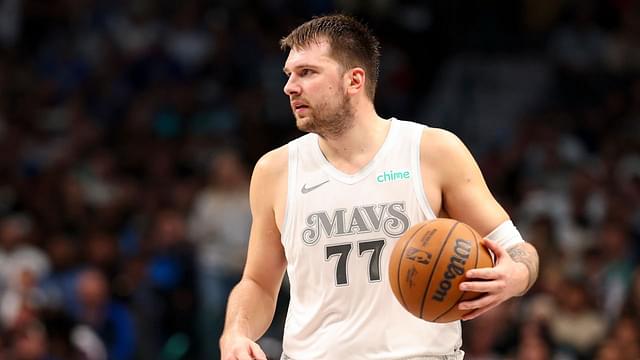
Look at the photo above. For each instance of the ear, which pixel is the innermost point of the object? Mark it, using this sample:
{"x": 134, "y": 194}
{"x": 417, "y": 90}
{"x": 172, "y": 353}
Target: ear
{"x": 355, "y": 80}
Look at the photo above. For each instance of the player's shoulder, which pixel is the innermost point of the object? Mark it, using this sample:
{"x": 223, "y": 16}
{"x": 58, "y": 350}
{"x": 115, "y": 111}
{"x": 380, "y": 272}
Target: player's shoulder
{"x": 437, "y": 141}
{"x": 443, "y": 152}
{"x": 277, "y": 160}
{"x": 274, "y": 161}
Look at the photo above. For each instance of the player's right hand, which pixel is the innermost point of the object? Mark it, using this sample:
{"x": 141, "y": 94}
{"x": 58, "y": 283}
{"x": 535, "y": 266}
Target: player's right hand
{"x": 240, "y": 348}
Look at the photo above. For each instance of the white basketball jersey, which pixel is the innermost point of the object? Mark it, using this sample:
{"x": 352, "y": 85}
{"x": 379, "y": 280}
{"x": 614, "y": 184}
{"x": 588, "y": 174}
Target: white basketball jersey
{"x": 338, "y": 233}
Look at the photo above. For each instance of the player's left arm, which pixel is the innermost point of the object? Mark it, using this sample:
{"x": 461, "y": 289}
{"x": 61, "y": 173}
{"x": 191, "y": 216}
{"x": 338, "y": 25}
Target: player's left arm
{"x": 465, "y": 197}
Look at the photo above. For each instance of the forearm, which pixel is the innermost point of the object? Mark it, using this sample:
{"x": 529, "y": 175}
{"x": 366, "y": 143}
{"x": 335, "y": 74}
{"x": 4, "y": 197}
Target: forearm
{"x": 250, "y": 310}
{"x": 525, "y": 254}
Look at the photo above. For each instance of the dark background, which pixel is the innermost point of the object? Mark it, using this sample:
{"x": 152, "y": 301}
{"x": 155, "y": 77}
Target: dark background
{"x": 128, "y": 130}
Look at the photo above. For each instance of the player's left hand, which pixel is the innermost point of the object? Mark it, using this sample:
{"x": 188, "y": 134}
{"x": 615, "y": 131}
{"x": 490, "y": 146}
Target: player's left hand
{"x": 500, "y": 283}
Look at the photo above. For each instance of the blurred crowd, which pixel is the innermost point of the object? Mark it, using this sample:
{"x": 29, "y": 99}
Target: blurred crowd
{"x": 128, "y": 130}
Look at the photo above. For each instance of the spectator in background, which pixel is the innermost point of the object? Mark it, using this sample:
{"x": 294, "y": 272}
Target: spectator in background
{"x": 534, "y": 342}
{"x": 136, "y": 29}
{"x": 575, "y": 325}
{"x": 22, "y": 266}
{"x": 101, "y": 251}
{"x": 626, "y": 333}
{"x": 623, "y": 342}
{"x": 219, "y": 227}
{"x": 68, "y": 340}
{"x": 10, "y": 22}
{"x": 490, "y": 335}
{"x": 17, "y": 254}
{"x": 541, "y": 231}
{"x": 623, "y": 50}
{"x": 59, "y": 285}
{"x": 172, "y": 278}
{"x": 632, "y": 306}
{"x": 614, "y": 279}
{"x": 579, "y": 46}
{"x": 108, "y": 318}
{"x": 29, "y": 342}
{"x": 578, "y": 51}
{"x": 187, "y": 42}
{"x": 609, "y": 350}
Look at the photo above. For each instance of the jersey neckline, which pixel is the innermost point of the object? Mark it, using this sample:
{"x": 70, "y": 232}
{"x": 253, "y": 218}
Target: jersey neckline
{"x": 366, "y": 169}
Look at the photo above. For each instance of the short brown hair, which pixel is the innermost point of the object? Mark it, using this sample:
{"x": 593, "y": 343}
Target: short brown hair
{"x": 352, "y": 44}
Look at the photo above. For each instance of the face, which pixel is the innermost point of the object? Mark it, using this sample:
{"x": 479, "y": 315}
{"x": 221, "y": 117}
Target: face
{"x": 92, "y": 289}
{"x": 316, "y": 90}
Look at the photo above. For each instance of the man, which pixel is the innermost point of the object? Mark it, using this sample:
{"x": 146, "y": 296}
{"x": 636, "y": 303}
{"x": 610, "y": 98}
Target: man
{"x": 330, "y": 205}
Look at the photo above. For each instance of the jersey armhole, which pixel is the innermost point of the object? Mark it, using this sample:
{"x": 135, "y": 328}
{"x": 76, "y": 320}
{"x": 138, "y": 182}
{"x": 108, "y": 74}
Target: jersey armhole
{"x": 292, "y": 165}
{"x": 418, "y": 182}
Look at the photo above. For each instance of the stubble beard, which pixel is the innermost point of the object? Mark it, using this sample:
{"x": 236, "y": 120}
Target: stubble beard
{"x": 327, "y": 121}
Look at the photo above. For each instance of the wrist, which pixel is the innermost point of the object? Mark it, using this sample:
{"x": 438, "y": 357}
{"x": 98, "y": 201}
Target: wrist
{"x": 228, "y": 334}
{"x": 227, "y": 339}
{"x": 522, "y": 279}
{"x": 232, "y": 333}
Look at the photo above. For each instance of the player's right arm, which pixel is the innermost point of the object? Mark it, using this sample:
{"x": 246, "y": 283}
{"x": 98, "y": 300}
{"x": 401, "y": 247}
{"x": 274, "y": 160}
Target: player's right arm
{"x": 252, "y": 302}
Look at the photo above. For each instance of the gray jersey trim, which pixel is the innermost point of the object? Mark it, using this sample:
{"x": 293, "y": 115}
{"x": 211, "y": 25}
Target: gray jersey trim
{"x": 350, "y": 179}
{"x": 418, "y": 182}
{"x": 289, "y": 212}
{"x": 457, "y": 355}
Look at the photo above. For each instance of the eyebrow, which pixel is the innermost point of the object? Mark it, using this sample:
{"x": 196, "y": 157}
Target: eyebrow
{"x": 303, "y": 65}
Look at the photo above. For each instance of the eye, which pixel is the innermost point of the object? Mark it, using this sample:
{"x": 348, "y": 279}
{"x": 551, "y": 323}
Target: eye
{"x": 305, "y": 72}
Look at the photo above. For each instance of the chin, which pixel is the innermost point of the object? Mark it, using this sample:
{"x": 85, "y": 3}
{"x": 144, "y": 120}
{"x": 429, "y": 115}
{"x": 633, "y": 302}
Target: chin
{"x": 304, "y": 124}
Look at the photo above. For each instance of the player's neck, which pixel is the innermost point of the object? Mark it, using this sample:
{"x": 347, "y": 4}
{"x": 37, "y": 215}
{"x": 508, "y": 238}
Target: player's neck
{"x": 355, "y": 148}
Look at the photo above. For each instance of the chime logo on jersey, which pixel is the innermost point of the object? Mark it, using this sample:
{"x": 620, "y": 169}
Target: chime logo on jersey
{"x": 390, "y": 218}
{"x": 393, "y": 175}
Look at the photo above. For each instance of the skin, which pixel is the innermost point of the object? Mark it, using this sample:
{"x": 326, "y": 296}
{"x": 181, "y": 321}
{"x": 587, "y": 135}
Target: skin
{"x": 455, "y": 189}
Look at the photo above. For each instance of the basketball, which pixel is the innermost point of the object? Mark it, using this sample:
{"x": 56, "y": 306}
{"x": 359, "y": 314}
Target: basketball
{"x": 428, "y": 264}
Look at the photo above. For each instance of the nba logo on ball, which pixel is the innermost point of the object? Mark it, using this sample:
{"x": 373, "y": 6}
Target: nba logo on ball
{"x": 419, "y": 256}
{"x": 428, "y": 264}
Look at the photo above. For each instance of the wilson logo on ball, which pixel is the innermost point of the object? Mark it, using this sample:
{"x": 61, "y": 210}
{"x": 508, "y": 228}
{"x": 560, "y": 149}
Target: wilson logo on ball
{"x": 455, "y": 268}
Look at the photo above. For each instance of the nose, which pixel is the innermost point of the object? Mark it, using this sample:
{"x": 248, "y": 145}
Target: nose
{"x": 292, "y": 87}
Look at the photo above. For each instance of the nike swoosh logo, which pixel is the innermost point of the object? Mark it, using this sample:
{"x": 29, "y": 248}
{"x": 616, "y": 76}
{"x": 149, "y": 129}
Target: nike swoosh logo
{"x": 306, "y": 189}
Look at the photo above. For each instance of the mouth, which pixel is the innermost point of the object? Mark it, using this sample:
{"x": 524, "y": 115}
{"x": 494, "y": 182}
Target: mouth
{"x": 299, "y": 107}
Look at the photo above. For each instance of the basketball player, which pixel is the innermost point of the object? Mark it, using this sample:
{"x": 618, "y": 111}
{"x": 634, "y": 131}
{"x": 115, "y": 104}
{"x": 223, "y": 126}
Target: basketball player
{"x": 329, "y": 206}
